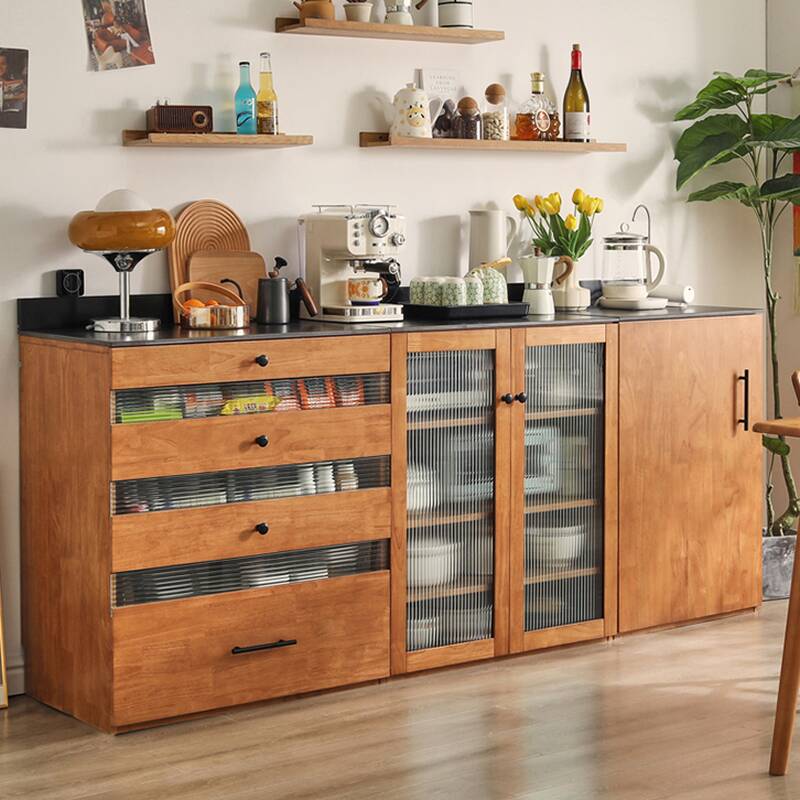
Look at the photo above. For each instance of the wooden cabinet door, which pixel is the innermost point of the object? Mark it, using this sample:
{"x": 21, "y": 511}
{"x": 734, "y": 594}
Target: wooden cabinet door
{"x": 450, "y": 466}
{"x": 563, "y": 533}
{"x": 690, "y": 475}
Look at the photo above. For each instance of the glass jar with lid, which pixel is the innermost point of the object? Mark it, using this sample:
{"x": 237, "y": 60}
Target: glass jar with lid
{"x": 467, "y": 123}
{"x": 495, "y": 115}
{"x": 537, "y": 119}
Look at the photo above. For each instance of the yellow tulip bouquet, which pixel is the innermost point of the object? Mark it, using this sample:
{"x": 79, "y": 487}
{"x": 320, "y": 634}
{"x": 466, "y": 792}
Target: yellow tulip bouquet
{"x": 556, "y": 236}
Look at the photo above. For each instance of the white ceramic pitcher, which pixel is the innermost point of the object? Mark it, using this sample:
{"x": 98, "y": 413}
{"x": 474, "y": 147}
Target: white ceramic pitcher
{"x": 491, "y": 232}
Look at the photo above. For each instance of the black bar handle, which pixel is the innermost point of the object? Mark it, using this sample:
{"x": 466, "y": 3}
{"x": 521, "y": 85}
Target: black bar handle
{"x": 262, "y": 441}
{"x": 262, "y": 361}
{"x": 521, "y": 398}
{"x": 508, "y": 399}
{"x": 262, "y": 528}
{"x": 746, "y": 419}
{"x": 256, "y": 648}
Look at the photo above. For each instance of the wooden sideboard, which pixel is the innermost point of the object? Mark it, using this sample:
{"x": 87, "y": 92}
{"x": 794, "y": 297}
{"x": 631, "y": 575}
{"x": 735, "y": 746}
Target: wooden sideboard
{"x": 417, "y": 499}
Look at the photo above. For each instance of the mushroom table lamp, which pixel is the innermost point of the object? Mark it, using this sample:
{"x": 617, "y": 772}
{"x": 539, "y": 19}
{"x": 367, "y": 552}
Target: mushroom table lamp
{"x": 123, "y": 229}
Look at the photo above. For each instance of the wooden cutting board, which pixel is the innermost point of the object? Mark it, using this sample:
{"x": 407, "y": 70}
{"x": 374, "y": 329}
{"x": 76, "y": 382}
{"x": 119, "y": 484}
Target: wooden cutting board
{"x": 217, "y": 266}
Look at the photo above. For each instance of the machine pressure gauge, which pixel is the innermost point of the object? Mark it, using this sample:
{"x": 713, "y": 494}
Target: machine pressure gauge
{"x": 379, "y": 225}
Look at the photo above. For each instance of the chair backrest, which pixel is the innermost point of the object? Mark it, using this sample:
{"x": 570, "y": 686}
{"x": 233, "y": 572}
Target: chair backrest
{"x": 796, "y": 384}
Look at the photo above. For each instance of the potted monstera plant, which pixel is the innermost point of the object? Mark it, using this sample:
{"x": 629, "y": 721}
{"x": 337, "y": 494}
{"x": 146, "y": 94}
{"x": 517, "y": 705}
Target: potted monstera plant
{"x": 727, "y": 129}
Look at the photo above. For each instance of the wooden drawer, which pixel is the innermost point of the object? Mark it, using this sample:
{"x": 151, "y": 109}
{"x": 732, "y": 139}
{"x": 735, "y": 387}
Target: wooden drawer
{"x": 144, "y": 541}
{"x": 184, "y": 447}
{"x": 176, "y": 365}
{"x": 176, "y": 658}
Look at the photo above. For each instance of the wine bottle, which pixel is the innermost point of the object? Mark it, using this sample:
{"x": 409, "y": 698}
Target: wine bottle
{"x": 577, "y": 118}
{"x": 267, "y": 98}
{"x": 245, "y": 102}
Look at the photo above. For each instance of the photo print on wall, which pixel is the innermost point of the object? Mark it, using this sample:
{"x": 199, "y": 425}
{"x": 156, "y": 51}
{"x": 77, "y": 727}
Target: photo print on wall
{"x": 13, "y": 88}
{"x": 117, "y": 34}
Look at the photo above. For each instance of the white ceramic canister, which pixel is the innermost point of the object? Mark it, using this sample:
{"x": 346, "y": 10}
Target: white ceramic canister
{"x": 456, "y": 14}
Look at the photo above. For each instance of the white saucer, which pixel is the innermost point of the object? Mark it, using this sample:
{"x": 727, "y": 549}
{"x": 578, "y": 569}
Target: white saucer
{"x": 647, "y": 304}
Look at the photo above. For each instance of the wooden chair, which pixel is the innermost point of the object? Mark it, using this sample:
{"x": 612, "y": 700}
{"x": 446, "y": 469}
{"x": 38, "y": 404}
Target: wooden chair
{"x": 790, "y": 666}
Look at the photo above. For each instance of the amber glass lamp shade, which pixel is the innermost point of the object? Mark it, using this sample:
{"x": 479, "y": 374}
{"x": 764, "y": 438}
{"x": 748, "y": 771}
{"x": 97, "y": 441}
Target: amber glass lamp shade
{"x": 122, "y": 231}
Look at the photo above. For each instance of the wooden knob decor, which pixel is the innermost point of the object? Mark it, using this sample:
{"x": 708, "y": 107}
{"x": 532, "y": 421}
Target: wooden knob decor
{"x": 203, "y": 225}
{"x": 495, "y": 93}
{"x": 467, "y": 104}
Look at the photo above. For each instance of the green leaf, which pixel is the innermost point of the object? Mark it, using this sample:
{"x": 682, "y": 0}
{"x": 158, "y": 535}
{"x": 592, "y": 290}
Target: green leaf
{"x": 724, "y": 91}
{"x": 785, "y": 137}
{"x": 711, "y": 150}
{"x": 758, "y": 77}
{"x": 776, "y": 446}
{"x": 765, "y": 125}
{"x": 786, "y": 187}
{"x": 726, "y": 190}
{"x": 715, "y": 125}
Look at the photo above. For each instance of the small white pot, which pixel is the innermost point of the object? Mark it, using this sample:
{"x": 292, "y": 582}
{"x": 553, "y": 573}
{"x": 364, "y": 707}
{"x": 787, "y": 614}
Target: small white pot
{"x": 358, "y": 12}
{"x": 456, "y": 14}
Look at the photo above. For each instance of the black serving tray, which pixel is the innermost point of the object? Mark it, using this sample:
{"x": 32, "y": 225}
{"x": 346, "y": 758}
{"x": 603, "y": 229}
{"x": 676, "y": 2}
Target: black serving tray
{"x": 456, "y": 313}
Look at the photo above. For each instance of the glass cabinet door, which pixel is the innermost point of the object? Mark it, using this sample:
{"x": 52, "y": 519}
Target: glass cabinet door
{"x": 562, "y": 509}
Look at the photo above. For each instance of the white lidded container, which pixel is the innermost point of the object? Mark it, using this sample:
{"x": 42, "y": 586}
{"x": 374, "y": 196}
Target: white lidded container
{"x": 456, "y": 14}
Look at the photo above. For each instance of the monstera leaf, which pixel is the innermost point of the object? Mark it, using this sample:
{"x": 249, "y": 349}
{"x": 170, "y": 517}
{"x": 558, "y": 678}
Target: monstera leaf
{"x": 726, "y": 190}
{"x": 786, "y": 187}
{"x": 724, "y": 91}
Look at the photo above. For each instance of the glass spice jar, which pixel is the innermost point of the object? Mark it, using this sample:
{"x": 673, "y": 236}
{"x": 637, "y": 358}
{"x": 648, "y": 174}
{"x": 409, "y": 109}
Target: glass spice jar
{"x": 495, "y": 116}
{"x": 467, "y": 120}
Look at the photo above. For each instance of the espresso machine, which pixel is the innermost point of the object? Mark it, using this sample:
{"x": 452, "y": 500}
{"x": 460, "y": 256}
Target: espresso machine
{"x": 343, "y": 243}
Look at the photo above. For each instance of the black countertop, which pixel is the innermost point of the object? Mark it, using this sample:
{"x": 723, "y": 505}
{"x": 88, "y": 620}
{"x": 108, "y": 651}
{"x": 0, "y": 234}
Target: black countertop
{"x": 306, "y": 329}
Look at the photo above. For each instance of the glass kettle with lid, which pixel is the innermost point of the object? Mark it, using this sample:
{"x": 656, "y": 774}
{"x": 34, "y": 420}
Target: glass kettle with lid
{"x": 627, "y": 266}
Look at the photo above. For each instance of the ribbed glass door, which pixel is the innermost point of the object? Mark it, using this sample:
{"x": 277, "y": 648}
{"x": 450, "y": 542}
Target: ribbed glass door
{"x": 450, "y": 499}
{"x": 563, "y": 484}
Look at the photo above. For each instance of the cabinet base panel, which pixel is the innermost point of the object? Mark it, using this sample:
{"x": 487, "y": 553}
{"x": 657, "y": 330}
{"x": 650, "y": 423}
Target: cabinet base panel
{"x": 699, "y": 621}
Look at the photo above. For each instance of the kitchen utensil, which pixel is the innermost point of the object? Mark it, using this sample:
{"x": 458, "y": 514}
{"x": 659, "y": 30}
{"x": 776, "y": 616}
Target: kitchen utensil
{"x": 358, "y": 12}
{"x": 316, "y": 9}
{"x": 242, "y": 270}
{"x": 416, "y": 291}
{"x": 411, "y": 113}
{"x": 216, "y": 317}
{"x": 495, "y": 288}
{"x": 367, "y": 290}
{"x": 645, "y": 304}
{"x": 203, "y": 225}
{"x": 433, "y": 291}
{"x": 627, "y": 273}
{"x": 538, "y": 272}
{"x": 423, "y": 489}
{"x": 399, "y": 13}
{"x": 273, "y": 307}
{"x": 123, "y": 229}
{"x": 422, "y": 633}
{"x": 491, "y": 232}
{"x": 431, "y": 561}
{"x": 467, "y": 624}
{"x": 554, "y": 546}
{"x": 454, "y": 292}
{"x": 474, "y": 286}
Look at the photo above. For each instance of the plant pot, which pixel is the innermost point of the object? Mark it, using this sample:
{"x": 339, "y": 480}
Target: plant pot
{"x": 777, "y": 554}
{"x": 358, "y": 12}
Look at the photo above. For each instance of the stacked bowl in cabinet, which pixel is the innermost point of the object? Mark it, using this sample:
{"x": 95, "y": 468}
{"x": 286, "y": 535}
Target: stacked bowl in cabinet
{"x": 251, "y": 513}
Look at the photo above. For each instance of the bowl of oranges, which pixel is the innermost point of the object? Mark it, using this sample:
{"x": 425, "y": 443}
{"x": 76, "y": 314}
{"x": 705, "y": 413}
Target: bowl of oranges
{"x": 230, "y": 312}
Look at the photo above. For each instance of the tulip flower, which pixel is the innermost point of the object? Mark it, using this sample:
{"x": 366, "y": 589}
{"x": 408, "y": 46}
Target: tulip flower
{"x": 521, "y": 202}
{"x": 538, "y": 202}
{"x": 549, "y": 208}
{"x": 600, "y": 205}
{"x": 571, "y": 223}
{"x": 555, "y": 199}
{"x": 578, "y": 197}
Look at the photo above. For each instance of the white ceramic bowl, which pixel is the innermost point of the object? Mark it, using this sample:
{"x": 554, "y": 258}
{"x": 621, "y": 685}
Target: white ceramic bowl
{"x": 423, "y": 633}
{"x": 467, "y": 624}
{"x": 550, "y": 547}
{"x": 431, "y": 561}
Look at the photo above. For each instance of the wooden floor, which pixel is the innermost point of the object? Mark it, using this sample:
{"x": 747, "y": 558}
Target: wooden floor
{"x": 681, "y": 714}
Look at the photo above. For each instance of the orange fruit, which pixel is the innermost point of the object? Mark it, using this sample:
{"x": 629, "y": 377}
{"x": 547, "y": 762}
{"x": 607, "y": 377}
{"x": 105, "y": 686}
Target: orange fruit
{"x": 210, "y": 303}
{"x": 193, "y": 304}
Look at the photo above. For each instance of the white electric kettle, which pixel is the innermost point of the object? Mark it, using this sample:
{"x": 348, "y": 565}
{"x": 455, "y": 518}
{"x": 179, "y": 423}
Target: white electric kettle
{"x": 627, "y": 271}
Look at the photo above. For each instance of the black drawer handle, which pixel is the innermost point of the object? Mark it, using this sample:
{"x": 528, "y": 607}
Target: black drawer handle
{"x": 262, "y": 528}
{"x": 508, "y": 399}
{"x": 746, "y": 420}
{"x": 262, "y": 441}
{"x": 262, "y": 361}
{"x": 521, "y": 398}
{"x": 256, "y": 648}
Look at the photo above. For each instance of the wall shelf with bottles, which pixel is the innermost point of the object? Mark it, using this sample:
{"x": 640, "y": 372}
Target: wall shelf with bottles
{"x": 380, "y": 30}
{"x": 146, "y": 139}
{"x": 376, "y": 139}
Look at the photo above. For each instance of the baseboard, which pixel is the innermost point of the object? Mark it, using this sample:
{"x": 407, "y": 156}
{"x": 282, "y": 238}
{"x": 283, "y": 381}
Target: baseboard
{"x": 16, "y": 679}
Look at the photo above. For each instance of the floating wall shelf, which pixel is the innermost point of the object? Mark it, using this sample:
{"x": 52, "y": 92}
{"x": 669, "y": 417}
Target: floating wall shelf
{"x": 369, "y": 139}
{"x": 378, "y": 30}
{"x": 145, "y": 139}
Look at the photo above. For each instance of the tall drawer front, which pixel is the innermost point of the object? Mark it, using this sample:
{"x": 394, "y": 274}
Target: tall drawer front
{"x": 143, "y": 541}
{"x": 248, "y": 485}
{"x": 179, "y": 658}
{"x": 170, "y": 448}
{"x": 170, "y": 365}
{"x": 165, "y": 403}
{"x": 220, "y": 577}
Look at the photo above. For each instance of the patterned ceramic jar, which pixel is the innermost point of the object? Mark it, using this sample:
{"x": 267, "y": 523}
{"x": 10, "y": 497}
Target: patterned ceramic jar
{"x": 495, "y": 289}
{"x": 433, "y": 291}
{"x": 417, "y": 291}
{"x": 454, "y": 292}
{"x": 474, "y": 289}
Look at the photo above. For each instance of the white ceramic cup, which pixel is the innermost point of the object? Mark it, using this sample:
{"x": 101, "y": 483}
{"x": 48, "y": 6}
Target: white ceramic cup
{"x": 358, "y": 12}
{"x": 367, "y": 291}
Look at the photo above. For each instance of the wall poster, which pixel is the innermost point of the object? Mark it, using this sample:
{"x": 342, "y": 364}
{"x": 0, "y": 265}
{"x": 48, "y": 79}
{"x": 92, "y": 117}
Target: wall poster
{"x": 117, "y": 34}
{"x": 13, "y": 88}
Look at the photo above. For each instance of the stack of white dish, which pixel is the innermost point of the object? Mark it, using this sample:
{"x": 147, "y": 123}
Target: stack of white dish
{"x": 554, "y": 546}
{"x": 432, "y": 561}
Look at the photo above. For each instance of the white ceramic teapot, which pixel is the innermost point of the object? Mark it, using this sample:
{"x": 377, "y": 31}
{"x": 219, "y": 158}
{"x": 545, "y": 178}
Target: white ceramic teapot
{"x": 412, "y": 113}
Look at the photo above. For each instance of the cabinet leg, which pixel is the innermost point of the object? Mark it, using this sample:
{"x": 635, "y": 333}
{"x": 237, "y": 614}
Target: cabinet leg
{"x": 789, "y": 684}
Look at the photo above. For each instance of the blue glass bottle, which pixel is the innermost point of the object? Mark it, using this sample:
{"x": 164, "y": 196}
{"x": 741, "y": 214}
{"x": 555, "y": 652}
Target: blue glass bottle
{"x": 245, "y": 102}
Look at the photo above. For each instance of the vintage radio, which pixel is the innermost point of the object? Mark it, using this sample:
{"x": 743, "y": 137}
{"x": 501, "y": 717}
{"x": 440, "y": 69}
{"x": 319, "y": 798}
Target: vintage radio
{"x": 164, "y": 118}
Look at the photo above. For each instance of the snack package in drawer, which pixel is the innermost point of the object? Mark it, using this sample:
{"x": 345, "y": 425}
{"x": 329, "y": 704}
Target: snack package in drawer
{"x": 254, "y": 404}
{"x": 350, "y": 391}
{"x": 286, "y": 392}
{"x": 317, "y": 393}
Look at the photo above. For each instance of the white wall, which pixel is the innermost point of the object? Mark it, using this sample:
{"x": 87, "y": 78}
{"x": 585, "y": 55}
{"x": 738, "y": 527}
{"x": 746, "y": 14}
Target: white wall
{"x": 783, "y": 54}
{"x": 642, "y": 59}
